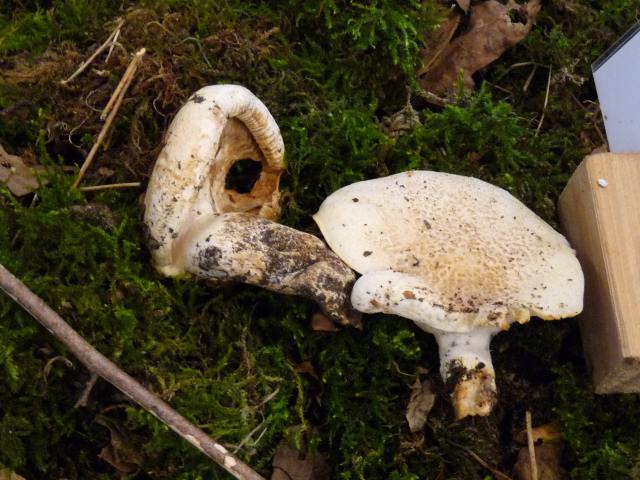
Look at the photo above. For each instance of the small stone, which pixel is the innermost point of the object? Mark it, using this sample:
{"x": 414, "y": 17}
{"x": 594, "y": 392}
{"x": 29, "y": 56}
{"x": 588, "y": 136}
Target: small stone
{"x": 603, "y": 183}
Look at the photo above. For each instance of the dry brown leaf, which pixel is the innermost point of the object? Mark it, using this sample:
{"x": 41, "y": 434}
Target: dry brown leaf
{"x": 545, "y": 433}
{"x": 308, "y": 368}
{"x": 436, "y": 42}
{"x": 491, "y": 31}
{"x": 19, "y": 177}
{"x": 290, "y": 464}
{"x": 321, "y": 323}
{"x": 464, "y": 5}
{"x": 119, "y": 453}
{"x": 547, "y": 459}
{"x": 420, "y": 404}
{"x": 6, "y": 474}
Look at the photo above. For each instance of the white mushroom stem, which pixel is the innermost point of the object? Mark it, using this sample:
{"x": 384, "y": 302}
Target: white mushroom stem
{"x": 467, "y": 370}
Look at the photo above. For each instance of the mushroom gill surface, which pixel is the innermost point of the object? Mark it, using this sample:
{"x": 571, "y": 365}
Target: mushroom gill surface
{"x": 460, "y": 257}
{"x": 195, "y": 224}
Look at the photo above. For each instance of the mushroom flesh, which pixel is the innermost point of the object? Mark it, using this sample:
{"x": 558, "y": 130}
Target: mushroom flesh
{"x": 195, "y": 224}
{"x": 461, "y": 258}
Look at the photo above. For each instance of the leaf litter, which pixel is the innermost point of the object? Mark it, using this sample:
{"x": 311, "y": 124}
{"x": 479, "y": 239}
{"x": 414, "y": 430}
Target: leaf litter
{"x": 493, "y": 28}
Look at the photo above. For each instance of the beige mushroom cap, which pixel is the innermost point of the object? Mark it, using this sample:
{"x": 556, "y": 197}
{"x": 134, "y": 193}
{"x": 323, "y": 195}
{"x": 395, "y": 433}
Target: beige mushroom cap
{"x": 218, "y": 125}
{"x": 196, "y": 225}
{"x": 451, "y": 253}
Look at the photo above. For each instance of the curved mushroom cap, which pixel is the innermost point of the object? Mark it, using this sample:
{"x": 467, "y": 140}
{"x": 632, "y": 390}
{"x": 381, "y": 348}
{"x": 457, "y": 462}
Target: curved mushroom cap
{"x": 218, "y": 126}
{"x": 451, "y": 253}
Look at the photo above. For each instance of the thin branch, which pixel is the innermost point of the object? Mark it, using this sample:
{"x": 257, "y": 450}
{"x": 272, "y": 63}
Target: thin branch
{"x": 111, "y": 186}
{"x": 496, "y": 473}
{"x": 109, "y": 120}
{"x": 532, "y": 448}
{"x": 105, "y": 368}
{"x": 99, "y": 50}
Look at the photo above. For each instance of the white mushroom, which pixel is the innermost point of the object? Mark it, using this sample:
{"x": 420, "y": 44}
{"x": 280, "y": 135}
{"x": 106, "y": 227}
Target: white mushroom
{"x": 458, "y": 256}
{"x": 194, "y": 224}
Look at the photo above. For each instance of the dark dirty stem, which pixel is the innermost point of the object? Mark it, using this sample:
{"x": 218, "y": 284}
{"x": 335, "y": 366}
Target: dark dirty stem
{"x": 105, "y": 368}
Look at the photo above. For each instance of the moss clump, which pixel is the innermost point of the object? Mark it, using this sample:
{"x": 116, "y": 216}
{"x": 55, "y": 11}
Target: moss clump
{"x": 242, "y": 362}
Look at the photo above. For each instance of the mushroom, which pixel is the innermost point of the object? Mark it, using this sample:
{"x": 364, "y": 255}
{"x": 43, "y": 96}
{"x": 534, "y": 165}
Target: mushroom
{"x": 461, "y": 258}
{"x": 194, "y": 224}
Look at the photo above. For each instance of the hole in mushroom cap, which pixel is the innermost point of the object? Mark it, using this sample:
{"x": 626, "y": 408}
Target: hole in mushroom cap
{"x": 243, "y": 175}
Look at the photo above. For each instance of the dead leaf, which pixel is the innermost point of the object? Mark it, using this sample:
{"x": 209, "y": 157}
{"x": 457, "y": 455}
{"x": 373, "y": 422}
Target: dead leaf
{"x": 544, "y": 433}
{"x": 19, "y": 177}
{"x": 308, "y": 368}
{"x": 547, "y": 459}
{"x": 464, "y": 5}
{"x": 420, "y": 404}
{"x": 6, "y": 474}
{"x": 493, "y": 28}
{"x": 321, "y": 323}
{"x": 290, "y": 464}
{"x": 436, "y": 42}
{"x": 119, "y": 453}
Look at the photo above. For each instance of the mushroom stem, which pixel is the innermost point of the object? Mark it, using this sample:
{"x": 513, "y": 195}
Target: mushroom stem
{"x": 467, "y": 370}
{"x": 237, "y": 247}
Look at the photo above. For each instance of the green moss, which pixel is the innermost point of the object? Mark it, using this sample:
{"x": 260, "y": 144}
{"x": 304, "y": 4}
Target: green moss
{"x": 33, "y": 31}
{"x": 601, "y": 432}
{"x": 241, "y": 362}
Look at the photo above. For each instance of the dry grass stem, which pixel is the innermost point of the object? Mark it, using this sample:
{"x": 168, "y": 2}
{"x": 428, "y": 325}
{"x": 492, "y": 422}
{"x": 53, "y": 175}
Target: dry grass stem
{"x": 532, "y": 449}
{"x": 84, "y": 397}
{"x": 113, "y": 44}
{"x": 124, "y": 83}
{"x": 99, "y": 50}
{"x": 111, "y": 186}
{"x": 496, "y": 473}
{"x": 121, "y": 89}
{"x": 546, "y": 101}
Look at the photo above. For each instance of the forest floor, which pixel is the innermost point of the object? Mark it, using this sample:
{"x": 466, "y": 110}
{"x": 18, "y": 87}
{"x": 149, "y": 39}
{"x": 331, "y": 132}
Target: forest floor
{"x": 243, "y": 363}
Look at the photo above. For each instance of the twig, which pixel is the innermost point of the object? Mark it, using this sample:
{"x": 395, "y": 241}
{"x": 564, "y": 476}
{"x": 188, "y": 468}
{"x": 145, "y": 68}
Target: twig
{"x": 496, "y": 473}
{"x": 108, "y": 121}
{"x": 99, "y": 50}
{"x": 84, "y": 397}
{"x": 94, "y": 188}
{"x": 546, "y": 100}
{"x": 532, "y": 448}
{"x": 124, "y": 83}
{"x": 105, "y": 368}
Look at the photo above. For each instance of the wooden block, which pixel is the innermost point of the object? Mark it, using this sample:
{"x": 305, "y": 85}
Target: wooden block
{"x": 600, "y": 212}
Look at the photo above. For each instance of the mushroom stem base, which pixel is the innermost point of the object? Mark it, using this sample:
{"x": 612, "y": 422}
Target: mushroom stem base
{"x": 467, "y": 370}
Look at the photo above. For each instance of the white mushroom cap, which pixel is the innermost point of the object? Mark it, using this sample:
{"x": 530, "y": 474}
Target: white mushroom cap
{"x": 450, "y": 252}
{"x": 456, "y": 255}
{"x": 219, "y": 125}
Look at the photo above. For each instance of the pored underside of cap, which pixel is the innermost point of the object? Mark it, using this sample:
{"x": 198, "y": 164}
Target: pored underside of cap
{"x": 450, "y": 252}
